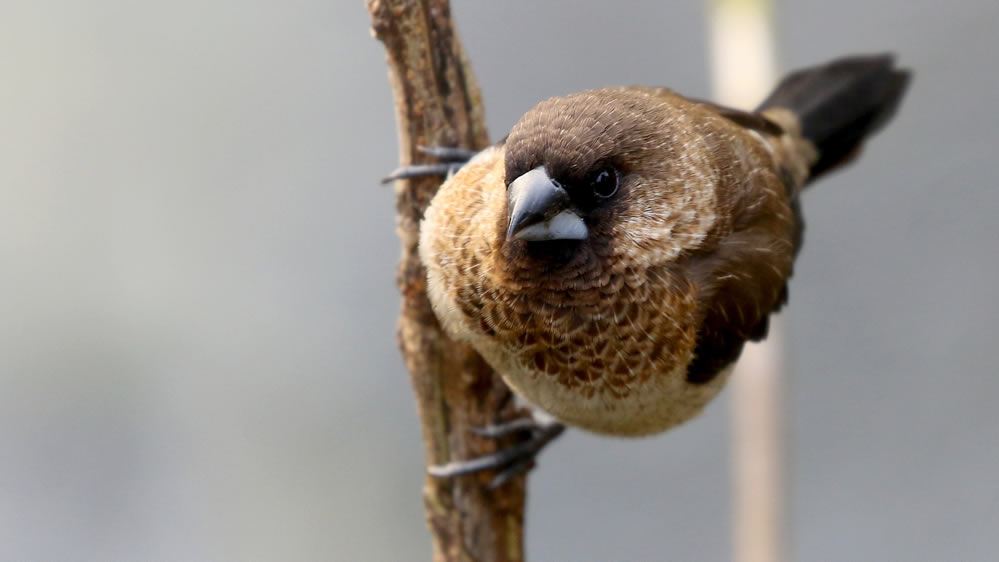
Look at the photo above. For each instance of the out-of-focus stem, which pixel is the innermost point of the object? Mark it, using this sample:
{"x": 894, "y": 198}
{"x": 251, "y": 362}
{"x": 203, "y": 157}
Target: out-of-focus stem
{"x": 743, "y": 71}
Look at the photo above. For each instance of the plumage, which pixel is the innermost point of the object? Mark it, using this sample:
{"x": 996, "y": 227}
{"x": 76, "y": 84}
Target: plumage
{"x": 648, "y": 238}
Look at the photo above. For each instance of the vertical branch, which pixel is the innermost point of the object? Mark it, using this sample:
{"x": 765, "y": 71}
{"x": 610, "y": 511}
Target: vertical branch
{"x": 438, "y": 103}
{"x": 743, "y": 69}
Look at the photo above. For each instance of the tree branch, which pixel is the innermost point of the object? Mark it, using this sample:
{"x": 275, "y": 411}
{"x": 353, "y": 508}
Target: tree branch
{"x": 438, "y": 103}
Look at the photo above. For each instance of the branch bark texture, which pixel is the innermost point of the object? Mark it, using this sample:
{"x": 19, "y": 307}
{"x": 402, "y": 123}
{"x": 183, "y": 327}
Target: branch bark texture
{"x": 438, "y": 103}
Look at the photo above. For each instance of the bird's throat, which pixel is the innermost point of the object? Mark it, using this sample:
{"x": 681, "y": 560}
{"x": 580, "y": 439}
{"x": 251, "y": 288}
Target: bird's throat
{"x": 552, "y": 252}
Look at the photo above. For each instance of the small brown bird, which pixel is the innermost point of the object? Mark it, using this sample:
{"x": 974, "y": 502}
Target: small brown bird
{"x": 613, "y": 254}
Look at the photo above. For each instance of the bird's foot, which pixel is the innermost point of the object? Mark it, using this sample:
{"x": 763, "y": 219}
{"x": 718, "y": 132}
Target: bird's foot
{"x": 451, "y": 159}
{"x": 512, "y": 461}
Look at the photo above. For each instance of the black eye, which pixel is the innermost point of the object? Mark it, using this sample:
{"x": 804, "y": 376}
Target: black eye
{"x": 604, "y": 183}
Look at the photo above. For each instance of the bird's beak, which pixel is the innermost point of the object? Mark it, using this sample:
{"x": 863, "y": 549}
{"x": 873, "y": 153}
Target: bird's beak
{"x": 540, "y": 210}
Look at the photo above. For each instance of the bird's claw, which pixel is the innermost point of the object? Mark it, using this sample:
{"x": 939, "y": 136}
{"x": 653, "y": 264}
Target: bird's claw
{"x": 511, "y": 461}
{"x": 452, "y": 158}
{"x": 448, "y": 153}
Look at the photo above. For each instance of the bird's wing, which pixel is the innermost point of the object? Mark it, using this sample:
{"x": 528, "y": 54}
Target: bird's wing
{"x": 738, "y": 292}
{"x": 741, "y": 282}
{"x": 742, "y": 276}
{"x": 747, "y": 119}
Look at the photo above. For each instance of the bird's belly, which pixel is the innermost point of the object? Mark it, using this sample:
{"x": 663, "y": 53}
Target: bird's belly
{"x": 614, "y": 387}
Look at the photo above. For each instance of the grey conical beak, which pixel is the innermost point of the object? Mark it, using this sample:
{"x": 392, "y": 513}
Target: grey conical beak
{"x": 540, "y": 210}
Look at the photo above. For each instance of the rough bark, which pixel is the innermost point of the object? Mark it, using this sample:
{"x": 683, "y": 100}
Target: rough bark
{"x": 438, "y": 103}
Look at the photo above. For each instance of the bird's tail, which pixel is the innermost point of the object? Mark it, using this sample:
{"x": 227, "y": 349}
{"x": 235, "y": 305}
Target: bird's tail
{"x": 840, "y": 103}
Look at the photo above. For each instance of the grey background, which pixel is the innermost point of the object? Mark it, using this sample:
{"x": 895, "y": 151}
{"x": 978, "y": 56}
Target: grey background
{"x": 197, "y": 305}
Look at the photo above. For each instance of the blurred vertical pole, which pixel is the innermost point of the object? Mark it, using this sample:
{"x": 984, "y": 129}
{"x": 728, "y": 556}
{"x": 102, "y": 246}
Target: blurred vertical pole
{"x": 742, "y": 72}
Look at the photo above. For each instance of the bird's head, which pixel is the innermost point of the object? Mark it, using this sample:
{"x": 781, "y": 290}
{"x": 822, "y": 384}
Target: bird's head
{"x": 603, "y": 179}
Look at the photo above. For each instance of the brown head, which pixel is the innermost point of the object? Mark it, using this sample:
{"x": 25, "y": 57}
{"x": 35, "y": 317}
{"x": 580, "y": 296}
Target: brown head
{"x": 603, "y": 180}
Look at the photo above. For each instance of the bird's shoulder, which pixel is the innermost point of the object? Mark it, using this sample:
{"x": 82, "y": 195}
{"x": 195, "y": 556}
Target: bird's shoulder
{"x": 749, "y": 120}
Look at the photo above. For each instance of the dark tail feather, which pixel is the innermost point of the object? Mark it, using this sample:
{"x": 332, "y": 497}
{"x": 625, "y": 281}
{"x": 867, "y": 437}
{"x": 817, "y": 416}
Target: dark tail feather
{"x": 841, "y": 103}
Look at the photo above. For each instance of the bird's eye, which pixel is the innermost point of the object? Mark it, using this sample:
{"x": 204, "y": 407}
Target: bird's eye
{"x": 604, "y": 183}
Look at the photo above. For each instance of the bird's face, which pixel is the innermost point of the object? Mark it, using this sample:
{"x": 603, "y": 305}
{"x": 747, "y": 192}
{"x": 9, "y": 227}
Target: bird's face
{"x": 602, "y": 180}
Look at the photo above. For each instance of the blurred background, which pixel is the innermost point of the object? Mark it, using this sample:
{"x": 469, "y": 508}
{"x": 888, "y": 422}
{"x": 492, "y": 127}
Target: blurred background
{"x": 197, "y": 298}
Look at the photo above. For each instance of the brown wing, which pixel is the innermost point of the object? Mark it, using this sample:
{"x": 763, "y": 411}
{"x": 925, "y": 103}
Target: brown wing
{"x": 742, "y": 282}
{"x": 741, "y": 293}
{"x": 742, "y": 275}
{"x": 746, "y": 119}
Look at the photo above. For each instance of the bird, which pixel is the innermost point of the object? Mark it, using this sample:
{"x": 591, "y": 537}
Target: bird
{"x": 612, "y": 255}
